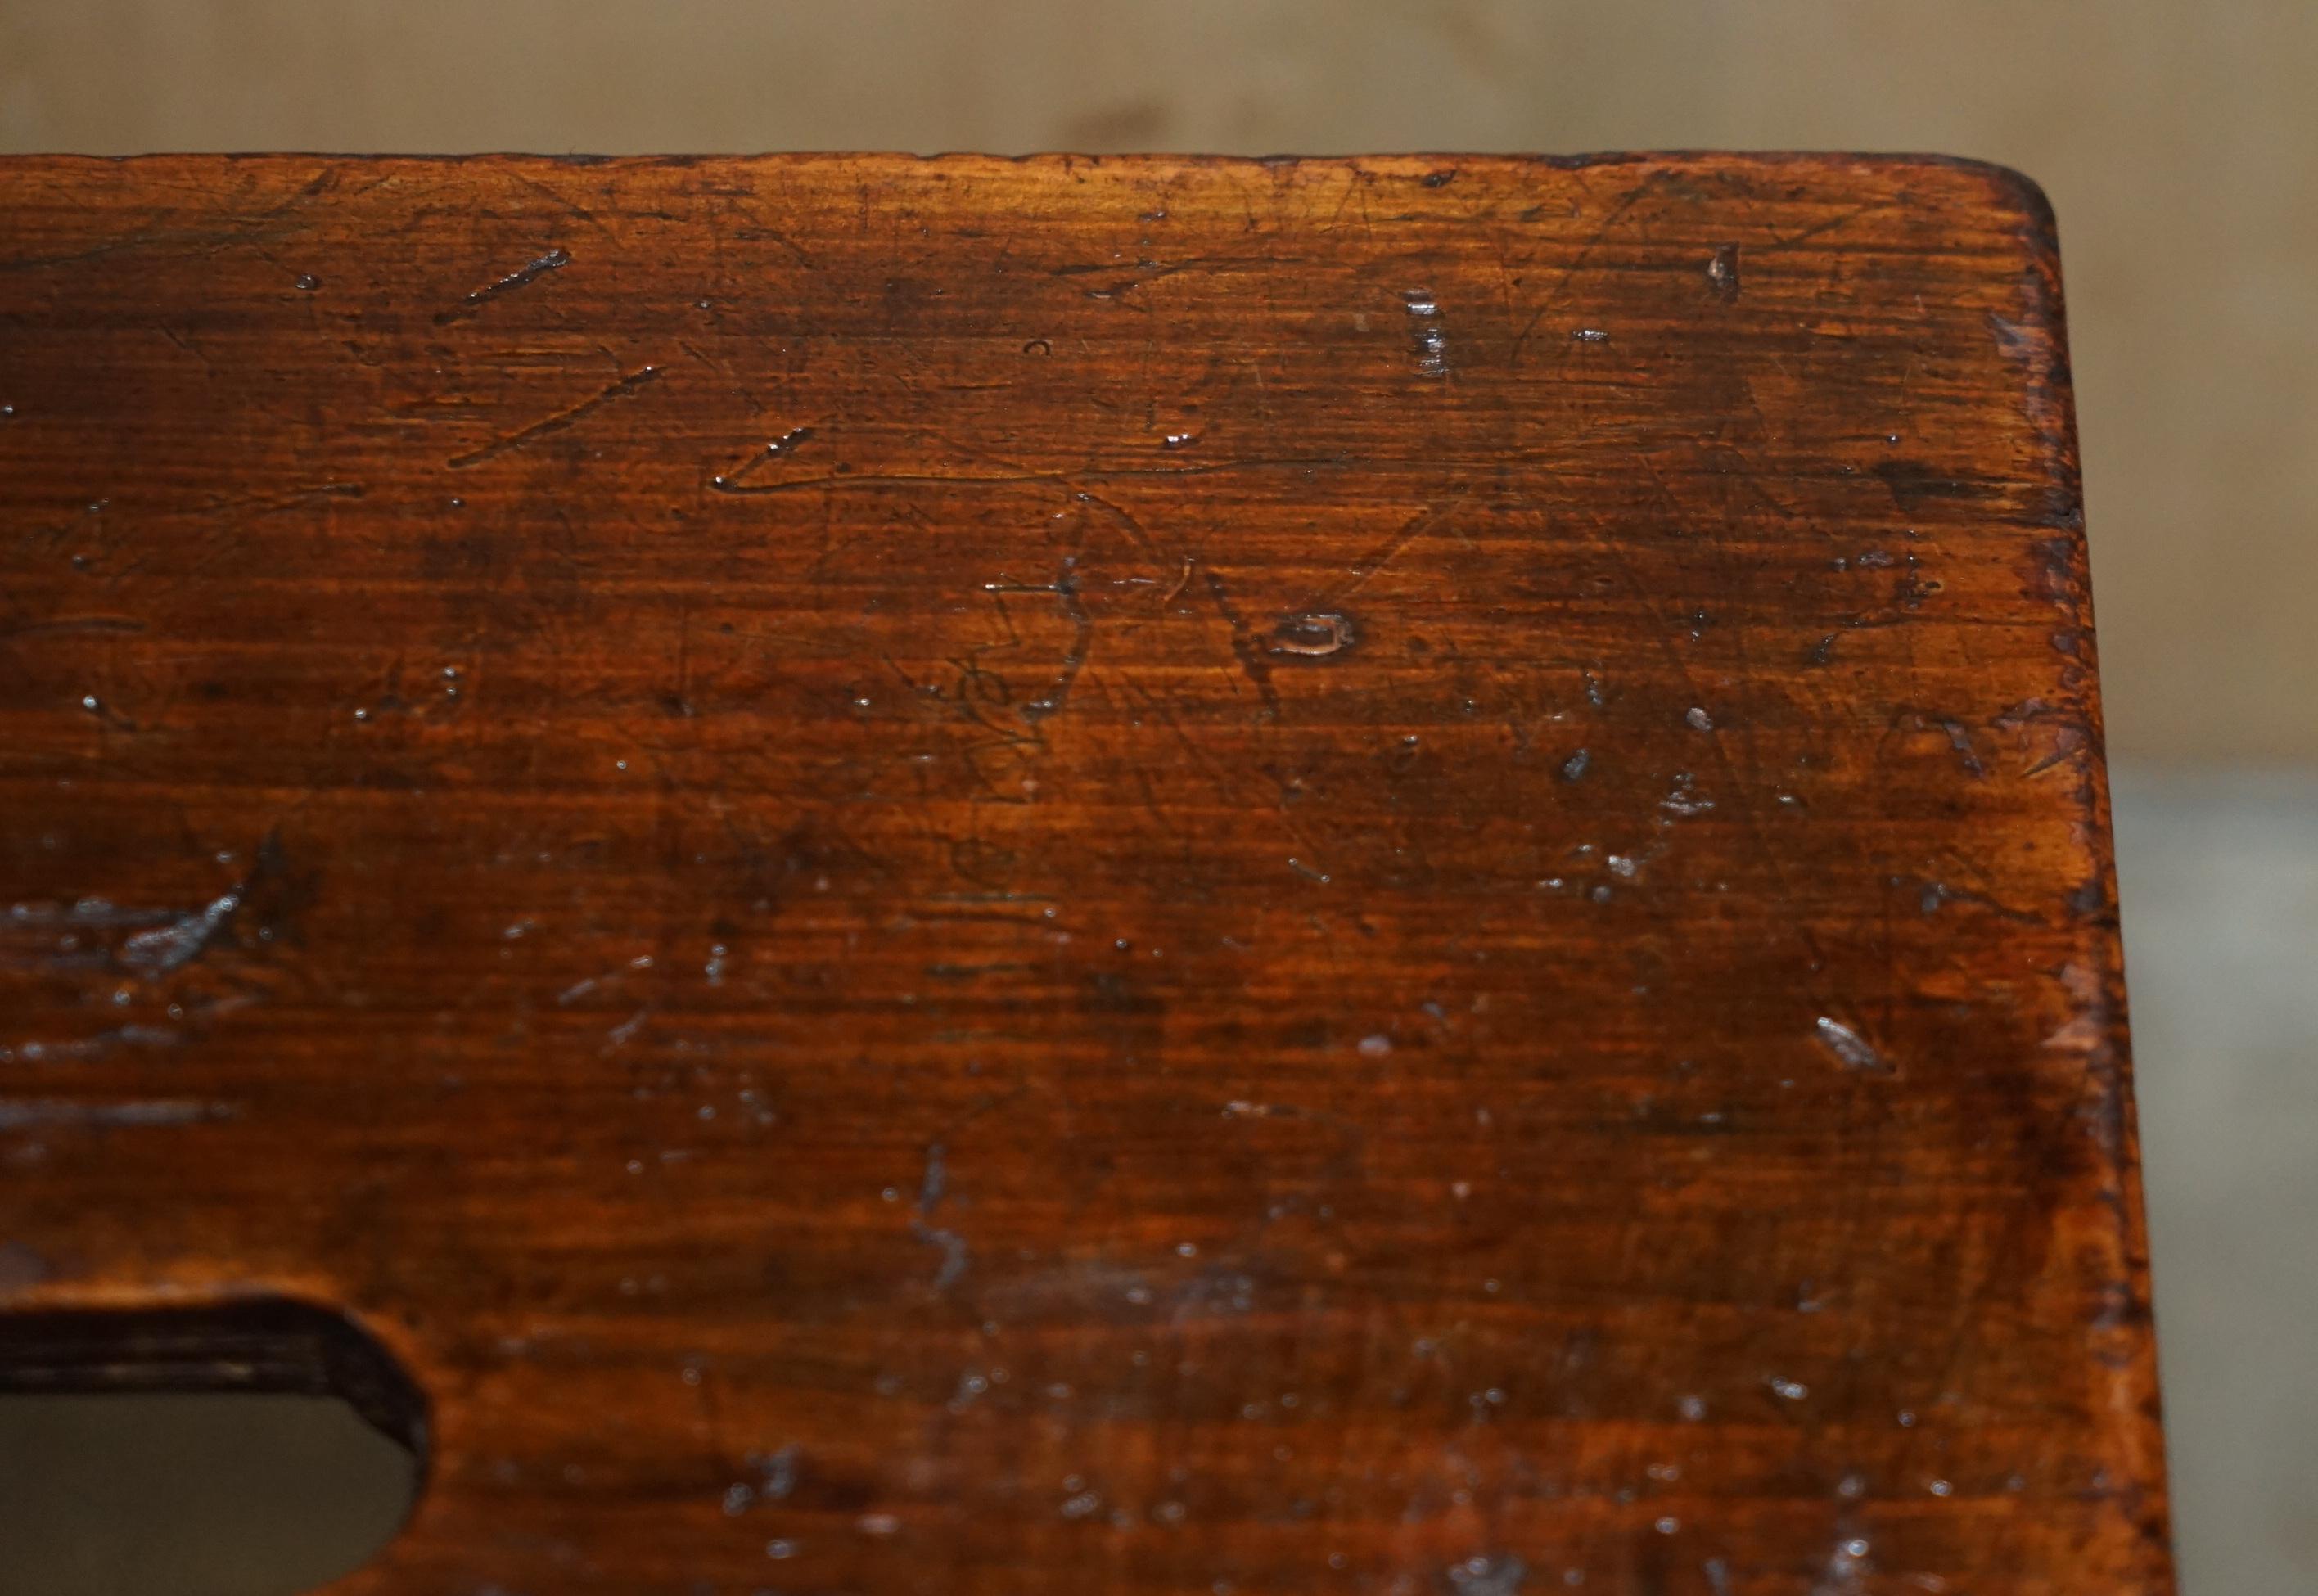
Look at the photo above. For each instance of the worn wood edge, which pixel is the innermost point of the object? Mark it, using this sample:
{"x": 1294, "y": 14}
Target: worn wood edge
{"x": 2014, "y": 189}
{"x": 2123, "y": 1335}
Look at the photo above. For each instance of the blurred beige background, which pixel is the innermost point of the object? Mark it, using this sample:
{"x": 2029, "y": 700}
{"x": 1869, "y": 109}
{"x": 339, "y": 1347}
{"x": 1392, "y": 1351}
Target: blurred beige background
{"x": 2179, "y": 140}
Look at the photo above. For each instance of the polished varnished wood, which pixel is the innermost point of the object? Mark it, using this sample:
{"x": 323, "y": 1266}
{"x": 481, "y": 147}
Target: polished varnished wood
{"x": 1061, "y": 876}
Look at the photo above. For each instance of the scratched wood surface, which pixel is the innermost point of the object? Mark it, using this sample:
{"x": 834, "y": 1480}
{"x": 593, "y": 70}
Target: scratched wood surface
{"x": 1056, "y": 876}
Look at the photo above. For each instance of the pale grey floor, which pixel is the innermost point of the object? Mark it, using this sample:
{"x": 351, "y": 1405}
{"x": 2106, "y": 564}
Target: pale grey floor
{"x": 2219, "y": 883}
{"x": 2220, "y": 878}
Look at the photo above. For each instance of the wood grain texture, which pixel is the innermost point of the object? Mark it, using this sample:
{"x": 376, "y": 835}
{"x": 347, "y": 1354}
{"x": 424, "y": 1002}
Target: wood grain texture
{"x": 1058, "y": 877}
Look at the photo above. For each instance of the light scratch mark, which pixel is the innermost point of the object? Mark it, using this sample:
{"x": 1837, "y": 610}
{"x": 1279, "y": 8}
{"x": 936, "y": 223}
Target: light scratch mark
{"x": 953, "y": 1246}
{"x": 1851, "y": 1049}
{"x": 166, "y": 947}
{"x": 554, "y": 260}
{"x": 732, "y": 481}
{"x": 558, "y": 422}
{"x": 1415, "y": 527}
{"x": 56, "y": 1113}
{"x": 625, "y": 1031}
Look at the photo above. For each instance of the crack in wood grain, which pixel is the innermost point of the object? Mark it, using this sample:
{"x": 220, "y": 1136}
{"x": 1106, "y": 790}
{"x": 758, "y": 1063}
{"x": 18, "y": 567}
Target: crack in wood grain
{"x": 1317, "y": 462}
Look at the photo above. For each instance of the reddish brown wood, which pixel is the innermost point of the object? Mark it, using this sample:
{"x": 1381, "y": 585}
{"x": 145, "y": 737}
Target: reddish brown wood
{"x": 1133, "y": 876}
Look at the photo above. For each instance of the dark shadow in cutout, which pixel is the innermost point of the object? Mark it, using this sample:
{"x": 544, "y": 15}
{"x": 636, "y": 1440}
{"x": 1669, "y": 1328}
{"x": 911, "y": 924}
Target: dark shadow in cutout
{"x": 256, "y": 1448}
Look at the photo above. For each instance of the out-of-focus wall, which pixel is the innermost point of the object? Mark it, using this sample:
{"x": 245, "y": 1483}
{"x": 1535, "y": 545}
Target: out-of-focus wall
{"x": 2177, "y": 138}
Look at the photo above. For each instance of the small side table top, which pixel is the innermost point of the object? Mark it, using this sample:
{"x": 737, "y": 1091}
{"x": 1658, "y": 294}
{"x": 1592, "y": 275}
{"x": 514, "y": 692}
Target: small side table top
{"x": 1141, "y": 875}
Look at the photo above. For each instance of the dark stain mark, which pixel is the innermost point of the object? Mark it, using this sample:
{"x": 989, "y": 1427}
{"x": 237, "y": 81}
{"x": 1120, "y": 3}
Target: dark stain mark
{"x": 2059, "y": 508}
{"x": 1722, "y": 271}
{"x": 557, "y": 422}
{"x": 1065, "y": 590}
{"x": 1915, "y": 484}
{"x": 951, "y": 972}
{"x": 1319, "y": 634}
{"x": 1821, "y": 652}
{"x": 21, "y": 1267}
{"x": 2089, "y": 900}
{"x": 983, "y": 862}
{"x": 1439, "y": 179}
{"x": 1251, "y": 657}
{"x": 1111, "y": 993}
{"x": 554, "y": 260}
{"x": 1911, "y": 589}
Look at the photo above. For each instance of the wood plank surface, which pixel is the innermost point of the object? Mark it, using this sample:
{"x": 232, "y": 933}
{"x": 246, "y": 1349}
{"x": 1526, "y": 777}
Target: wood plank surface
{"x": 1135, "y": 877}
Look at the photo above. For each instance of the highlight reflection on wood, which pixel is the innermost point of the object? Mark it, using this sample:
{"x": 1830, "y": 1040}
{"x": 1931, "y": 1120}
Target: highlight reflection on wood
{"x": 1062, "y": 876}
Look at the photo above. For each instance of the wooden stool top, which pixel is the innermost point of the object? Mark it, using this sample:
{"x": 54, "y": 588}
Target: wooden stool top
{"x": 1154, "y": 876}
